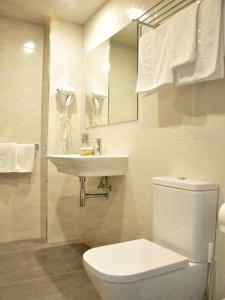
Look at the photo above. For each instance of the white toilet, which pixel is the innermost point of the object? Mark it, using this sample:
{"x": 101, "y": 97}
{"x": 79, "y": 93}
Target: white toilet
{"x": 174, "y": 267}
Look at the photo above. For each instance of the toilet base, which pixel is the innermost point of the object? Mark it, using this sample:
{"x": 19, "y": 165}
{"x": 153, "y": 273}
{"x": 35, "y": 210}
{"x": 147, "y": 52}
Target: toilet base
{"x": 185, "y": 284}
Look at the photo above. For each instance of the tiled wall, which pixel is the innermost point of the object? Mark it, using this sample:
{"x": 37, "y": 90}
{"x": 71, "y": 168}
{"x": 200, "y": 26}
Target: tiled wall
{"x": 21, "y": 214}
{"x": 64, "y": 215}
{"x": 180, "y": 132}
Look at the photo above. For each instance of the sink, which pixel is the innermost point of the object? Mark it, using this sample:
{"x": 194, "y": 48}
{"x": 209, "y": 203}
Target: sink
{"x": 78, "y": 165}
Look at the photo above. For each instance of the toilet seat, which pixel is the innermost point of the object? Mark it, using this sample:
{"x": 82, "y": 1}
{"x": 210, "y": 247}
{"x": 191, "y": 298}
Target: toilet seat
{"x": 132, "y": 261}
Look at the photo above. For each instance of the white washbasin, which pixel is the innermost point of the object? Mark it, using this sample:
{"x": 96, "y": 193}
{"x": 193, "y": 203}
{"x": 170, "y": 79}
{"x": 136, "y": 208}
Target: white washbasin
{"x": 78, "y": 165}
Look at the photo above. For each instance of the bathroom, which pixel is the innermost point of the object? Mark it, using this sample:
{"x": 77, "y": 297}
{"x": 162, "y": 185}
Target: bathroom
{"x": 179, "y": 131}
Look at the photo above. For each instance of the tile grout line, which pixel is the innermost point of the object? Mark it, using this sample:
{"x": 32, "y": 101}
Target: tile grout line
{"x": 39, "y": 278}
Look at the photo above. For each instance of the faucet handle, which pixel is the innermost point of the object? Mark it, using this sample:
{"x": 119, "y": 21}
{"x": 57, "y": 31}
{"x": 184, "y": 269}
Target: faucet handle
{"x": 85, "y": 138}
{"x": 99, "y": 146}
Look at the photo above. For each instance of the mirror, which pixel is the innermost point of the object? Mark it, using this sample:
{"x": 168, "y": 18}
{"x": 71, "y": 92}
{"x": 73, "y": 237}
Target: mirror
{"x": 111, "y": 80}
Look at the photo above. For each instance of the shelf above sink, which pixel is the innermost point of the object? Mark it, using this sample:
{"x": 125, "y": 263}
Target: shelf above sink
{"x": 78, "y": 165}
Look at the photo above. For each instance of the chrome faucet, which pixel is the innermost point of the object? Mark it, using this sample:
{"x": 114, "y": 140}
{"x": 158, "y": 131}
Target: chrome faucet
{"x": 99, "y": 146}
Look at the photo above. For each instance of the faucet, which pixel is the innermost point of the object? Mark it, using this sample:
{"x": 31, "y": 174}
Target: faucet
{"x": 99, "y": 146}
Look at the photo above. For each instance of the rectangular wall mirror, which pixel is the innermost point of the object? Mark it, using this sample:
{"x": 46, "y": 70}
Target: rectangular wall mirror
{"x": 111, "y": 77}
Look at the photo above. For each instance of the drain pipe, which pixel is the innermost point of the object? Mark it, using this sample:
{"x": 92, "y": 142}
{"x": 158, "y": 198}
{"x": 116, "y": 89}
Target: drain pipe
{"x": 84, "y": 195}
{"x": 82, "y": 191}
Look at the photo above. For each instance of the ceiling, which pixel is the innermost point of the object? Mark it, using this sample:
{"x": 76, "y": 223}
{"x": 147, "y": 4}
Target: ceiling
{"x": 37, "y": 11}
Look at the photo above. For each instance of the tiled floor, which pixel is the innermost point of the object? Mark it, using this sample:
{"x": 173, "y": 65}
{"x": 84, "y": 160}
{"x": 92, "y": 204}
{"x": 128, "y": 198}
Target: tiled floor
{"x": 32, "y": 270}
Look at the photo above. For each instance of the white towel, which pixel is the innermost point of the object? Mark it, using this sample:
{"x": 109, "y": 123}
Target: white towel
{"x": 209, "y": 64}
{"x": 184, "y": 35}
{"x": 8, "y": 161}
{"x": 25, "y": 158}
{"x": 154, "y": 68}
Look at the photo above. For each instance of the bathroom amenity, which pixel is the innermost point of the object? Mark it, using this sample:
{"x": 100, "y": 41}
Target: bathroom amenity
{"x": 87, "y": 150}
{"x": 65, "y": 96}
{"x": 183, "y": 34}
{"x": 175, "y": 266}
{"x": 209, "y": 64}
{"x": 154, "y": 60}
{"x": 16, "y": 158}
{"x": 25, "y": 158}
{"x": 195, "y": 49}
{"x": 164, "y": 48}
{"x": 8, "y": 158}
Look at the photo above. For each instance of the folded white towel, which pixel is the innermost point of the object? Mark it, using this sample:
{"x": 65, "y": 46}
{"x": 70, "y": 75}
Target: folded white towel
{"x": 209, "y": 64}
{"x": 184, "y": 34}
{"x": 25, "y": 158}
{"x": 8, "y": 160}
{"x": 154, "y": 68}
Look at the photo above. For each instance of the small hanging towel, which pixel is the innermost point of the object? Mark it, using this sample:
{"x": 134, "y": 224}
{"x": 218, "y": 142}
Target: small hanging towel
{"x": 8, "y": 158}
{"x": 25, "y": 158}
{"x": 209, "y": 64}
{"x": 184, "y": 35}
{"x": 154, "y": 68}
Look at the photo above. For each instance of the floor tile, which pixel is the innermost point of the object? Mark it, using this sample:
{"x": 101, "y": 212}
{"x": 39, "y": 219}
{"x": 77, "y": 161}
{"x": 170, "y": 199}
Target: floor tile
{"x": 12, "y": 268}
{"x": 52, "y": 261}
{"x": 8, "y": 248}
{"x": 22, "y": 291}
{"x": 34, "y": 270}
{"x": 68, "y": 286}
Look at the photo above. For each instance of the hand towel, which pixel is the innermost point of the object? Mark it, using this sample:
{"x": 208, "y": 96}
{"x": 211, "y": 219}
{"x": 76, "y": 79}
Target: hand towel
{"x": 8, "y": 158}
{"x": 184, "y": 34}
{"x": 209, "y": 64}
{"x": 154, "y": 68}
{"x": 25, "y": 158}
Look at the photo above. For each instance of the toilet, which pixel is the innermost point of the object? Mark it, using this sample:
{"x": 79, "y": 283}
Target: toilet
{"x": 174, "y": 266}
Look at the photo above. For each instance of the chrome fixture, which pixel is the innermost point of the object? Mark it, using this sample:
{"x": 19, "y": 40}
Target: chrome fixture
{"x": 102, "y": 185}
{"x": 161, "y": 11}
{"x": 99, "y": 146}
{"x": 36, "y": 148}
{"x": 85, "y": 138}
{"x": 65, "y": 96}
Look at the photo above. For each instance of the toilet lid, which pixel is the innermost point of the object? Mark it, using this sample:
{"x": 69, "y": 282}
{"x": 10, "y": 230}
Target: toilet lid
{"x": 132, "y": 261}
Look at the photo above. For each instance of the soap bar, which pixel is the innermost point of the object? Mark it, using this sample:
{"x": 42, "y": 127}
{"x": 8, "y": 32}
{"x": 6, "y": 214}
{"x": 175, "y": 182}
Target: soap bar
{"x": 88, "y": 150}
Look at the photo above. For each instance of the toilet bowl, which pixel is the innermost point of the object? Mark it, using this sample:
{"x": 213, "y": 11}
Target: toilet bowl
{"x": 142, "y": 270}
{"x": 174, "y": 266}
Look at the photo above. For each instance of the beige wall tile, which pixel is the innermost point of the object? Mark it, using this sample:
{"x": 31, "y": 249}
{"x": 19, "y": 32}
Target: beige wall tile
{"x": 20, "y": 98}
{"x": 180, "y": 132}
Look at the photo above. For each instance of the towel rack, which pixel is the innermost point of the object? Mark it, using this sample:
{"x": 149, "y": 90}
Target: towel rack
{"x": 161, "y": 11}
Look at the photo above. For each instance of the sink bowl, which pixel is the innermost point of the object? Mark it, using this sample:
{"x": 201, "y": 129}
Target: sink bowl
{"x": 92, "y": 165}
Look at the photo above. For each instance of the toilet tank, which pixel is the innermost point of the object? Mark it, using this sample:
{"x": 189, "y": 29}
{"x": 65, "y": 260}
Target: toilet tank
{"x": 184, "y": 215}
